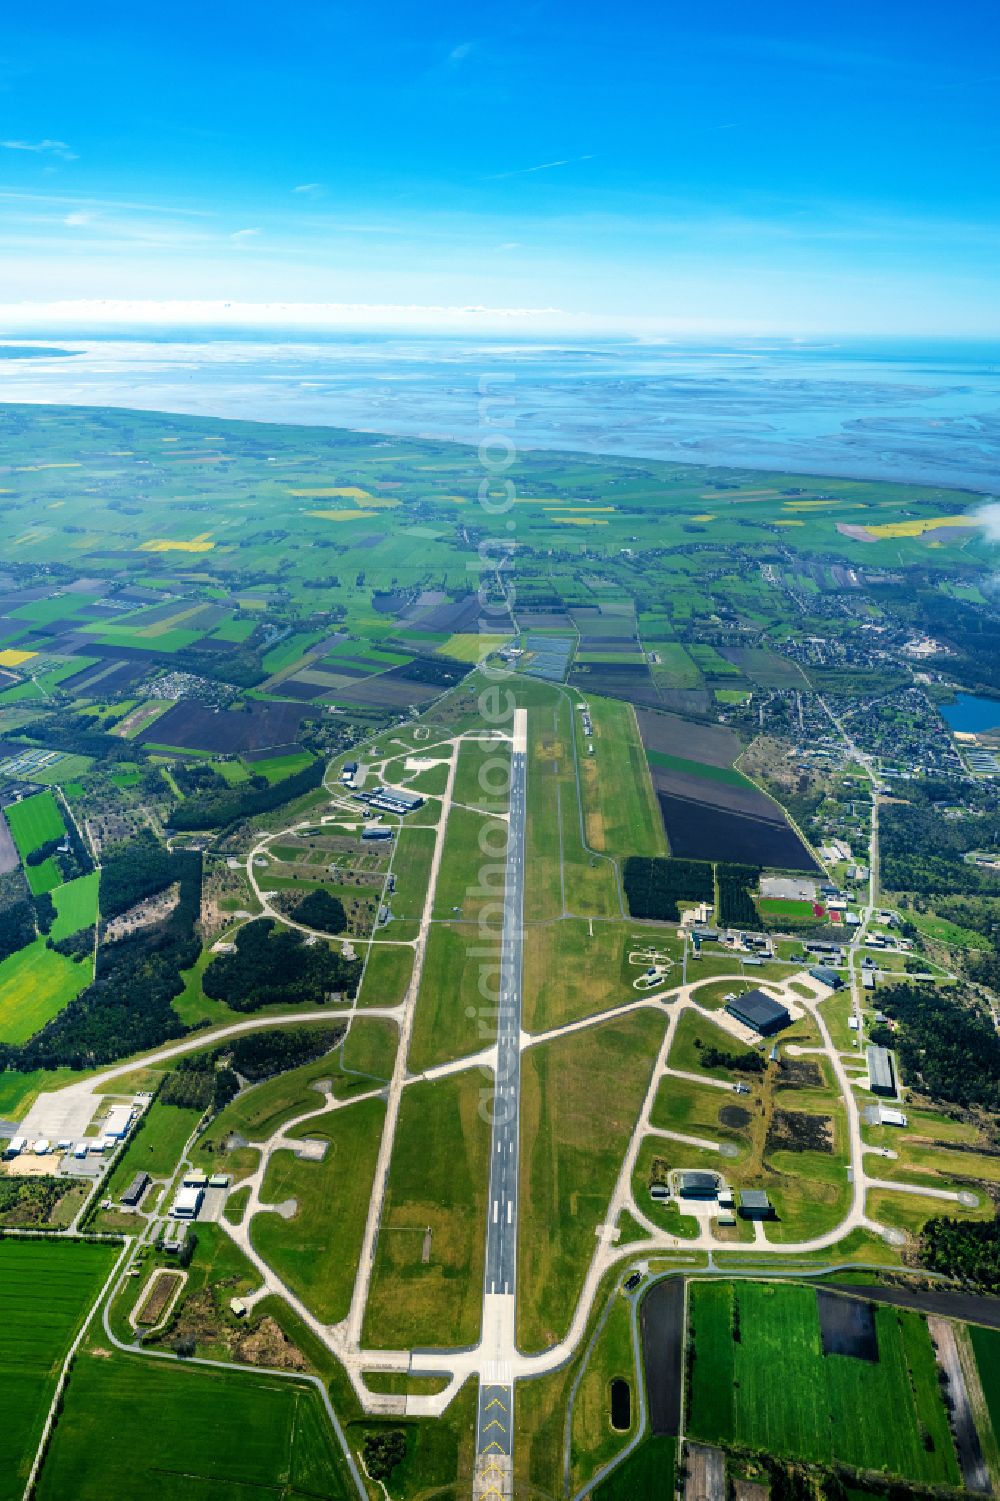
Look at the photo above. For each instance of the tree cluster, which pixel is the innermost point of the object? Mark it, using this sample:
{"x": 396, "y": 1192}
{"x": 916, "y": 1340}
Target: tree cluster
{"x": 17, "y": 927}
{"x": 128, "y": 1007}
{"x": 736, "y": 906}
{"x": 967, "y": 1250}
{"x": 318, "y": 909}
{"x": 222, "y": 805}
{"x": 654, "y": 886}
{"x": 383, "y": 1451}
{"x": 133, "y": 870}
{"x": 271, "y": 965}
{"x": 948, "y": 1049}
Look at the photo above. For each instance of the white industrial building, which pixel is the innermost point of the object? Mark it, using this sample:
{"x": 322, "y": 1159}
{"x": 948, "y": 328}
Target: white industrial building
{"x": 187, "y": 1203}
{"x": 118, "y": 1121}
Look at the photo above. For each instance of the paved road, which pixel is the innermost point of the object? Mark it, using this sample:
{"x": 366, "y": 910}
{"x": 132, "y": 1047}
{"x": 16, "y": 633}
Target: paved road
{"x": 494, "y": 1429}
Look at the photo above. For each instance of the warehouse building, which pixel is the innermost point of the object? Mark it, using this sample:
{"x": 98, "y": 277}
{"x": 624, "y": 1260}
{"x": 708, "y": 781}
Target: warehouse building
{"x": 118, "y": 1122}
{"x": 826, "y": 976}
{"x": 187, "y": 1203}
{"x": 755, "y": 1204}
{"x": 135, "y": 1190}
{"x": 881, "y": 1073}
{"x": 697, "y": 1185}
{"x": 758, "y": 1011}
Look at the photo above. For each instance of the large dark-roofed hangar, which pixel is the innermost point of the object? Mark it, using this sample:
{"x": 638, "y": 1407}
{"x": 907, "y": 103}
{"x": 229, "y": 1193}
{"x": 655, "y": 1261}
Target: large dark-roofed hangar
{"x": 757, "y": 1010}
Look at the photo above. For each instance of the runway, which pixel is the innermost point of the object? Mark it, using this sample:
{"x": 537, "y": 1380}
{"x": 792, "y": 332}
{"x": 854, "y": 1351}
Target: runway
{"x": 494, "y": 1428}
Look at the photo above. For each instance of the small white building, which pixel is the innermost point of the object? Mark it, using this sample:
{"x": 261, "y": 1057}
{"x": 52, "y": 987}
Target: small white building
{"x": 889, "y": 1117}
{"x": 42, "y": 1147}
{"x": 15, "y": 1147}
{"x": 195, "y": 1179}
{"x": 80, "y": 1150}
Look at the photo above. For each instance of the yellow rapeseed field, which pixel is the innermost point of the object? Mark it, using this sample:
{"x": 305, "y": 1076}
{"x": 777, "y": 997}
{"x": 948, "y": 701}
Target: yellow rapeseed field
{"x": 200, "y": 543}
{"x": 916, "y": 528}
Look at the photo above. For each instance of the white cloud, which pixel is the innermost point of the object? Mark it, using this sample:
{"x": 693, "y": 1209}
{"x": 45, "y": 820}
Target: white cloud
{"x": 42, "y": 148}
{"x": 244, "y": 234}
{"x": 310, "y": 189}
{"x": 77, "y": 220}
{"x": 988, "y": 517}
{"x": 461, "y": 52}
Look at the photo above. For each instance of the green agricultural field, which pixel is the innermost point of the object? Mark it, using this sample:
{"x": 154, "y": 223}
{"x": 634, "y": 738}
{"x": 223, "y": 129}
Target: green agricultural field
{"x": 76, "y": 906}
{"x": 35, "y": 984}
{"x": 646, "y": 1475}
{"x": 278, "y": 768}
{"x": 986, "y": 1348}
{"x": 675, "y": 669}
{"x": 580, "y": 1099}
{"x": 316, "y": 1251}
{"x": 438, "y": 1186}
{"x": 34, "y": 821}
{"x": 774, "y": 1389}
{"x": 141, "y": 1427}
{"x": 47, "y": 1287}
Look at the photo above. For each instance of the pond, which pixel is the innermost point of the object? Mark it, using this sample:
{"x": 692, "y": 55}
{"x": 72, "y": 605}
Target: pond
{"x": 970, "y": 715}
{"x": 621, "y": 1405}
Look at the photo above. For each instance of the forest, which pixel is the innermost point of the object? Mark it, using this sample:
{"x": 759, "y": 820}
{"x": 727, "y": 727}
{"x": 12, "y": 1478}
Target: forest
{"x": 270, "y": 966}
{"x": 654, "y": 886}
{"x": 947, "y": 1047}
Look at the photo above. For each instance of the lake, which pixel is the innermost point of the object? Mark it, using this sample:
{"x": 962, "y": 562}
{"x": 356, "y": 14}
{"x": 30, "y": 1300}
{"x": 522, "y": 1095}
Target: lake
{"x": 972, "y": 716}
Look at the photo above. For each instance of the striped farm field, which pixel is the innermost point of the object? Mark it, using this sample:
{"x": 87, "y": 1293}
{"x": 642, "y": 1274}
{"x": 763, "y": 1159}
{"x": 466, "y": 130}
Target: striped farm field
{"x": 46, "y": 1290}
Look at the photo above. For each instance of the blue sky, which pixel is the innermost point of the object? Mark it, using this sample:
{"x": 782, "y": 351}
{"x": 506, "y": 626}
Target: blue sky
{"x": 779, "y": 168}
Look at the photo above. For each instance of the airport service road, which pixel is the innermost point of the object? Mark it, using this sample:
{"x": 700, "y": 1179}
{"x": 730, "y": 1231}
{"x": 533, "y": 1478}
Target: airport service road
{"x": 494, "y": 1428}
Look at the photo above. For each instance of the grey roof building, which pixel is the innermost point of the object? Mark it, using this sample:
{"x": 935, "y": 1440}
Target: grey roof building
{"x": 826, "y": 976}
{"x": 755, "y": 1204}
{"x": 136, "y": 1189}
{"x": 881, "y": 1072}
{"x": 698, "y": 1185}
{"x": 757, "y": 1010}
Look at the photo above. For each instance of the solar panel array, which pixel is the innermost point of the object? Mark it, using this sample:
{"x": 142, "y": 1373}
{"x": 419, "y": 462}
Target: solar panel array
{"x": 550, "y": 657}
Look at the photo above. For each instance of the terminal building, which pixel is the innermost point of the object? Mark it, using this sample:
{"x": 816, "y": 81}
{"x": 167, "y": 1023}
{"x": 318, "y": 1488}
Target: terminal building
{"x": 881, "y": 1072}
{"x": 759, "y": 1012}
